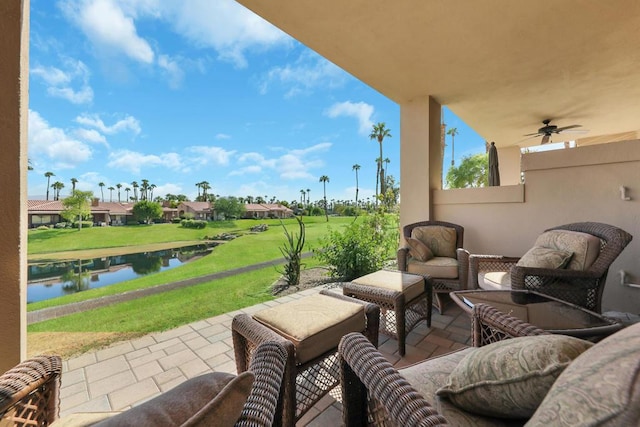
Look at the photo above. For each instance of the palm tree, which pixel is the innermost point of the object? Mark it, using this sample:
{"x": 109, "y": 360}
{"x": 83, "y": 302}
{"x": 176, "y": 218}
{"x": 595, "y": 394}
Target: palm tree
{"x": 151, "y": 187}
{"x": 379, "y": 133}
{"x": 110, "y": 193}
{"x": 302, "y": 193}
{"x": 324, "y": 179}
{"x": 73, "y": 185}
{"x": 144, "y": 188}
{"x": 386, "y": 166}
{"x": 118, "y": 186}
{"x": 57, "y": 186}
{"x": 205, "y": 186}
{"x": 309, "y": 199}
{"x": 135, "y": 186}
{"x": 453, "y": 132}
{"x": 101, "y": 185}
{"x": 127, "y": 190}
{"x": 48, "y": 175}
{"x": 356, "y": 168}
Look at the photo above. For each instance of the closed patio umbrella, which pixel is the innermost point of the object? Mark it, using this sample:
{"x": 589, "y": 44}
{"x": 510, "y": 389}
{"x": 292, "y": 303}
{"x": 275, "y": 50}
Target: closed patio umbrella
{"x": 494, "y": 171}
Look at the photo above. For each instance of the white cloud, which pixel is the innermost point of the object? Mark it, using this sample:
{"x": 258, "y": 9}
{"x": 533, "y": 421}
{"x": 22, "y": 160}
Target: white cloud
{"x": 108, "y": 27}
{"x": 359, "y": 110}
{"x": 172, "y": 70}
{"x": 309, "y": 72}
{"x": 91, "y": 135}
{"x": 53, "y": 143}
{"x": 224, "y": 25}
{"x": 60, "y": 82}
{"x": 93, "y": 120}
{"x": 216, "y": 155}
{"x": 133, "y": 161}
{"x": 223, "y": 136}
{"x": 295, "y": 164}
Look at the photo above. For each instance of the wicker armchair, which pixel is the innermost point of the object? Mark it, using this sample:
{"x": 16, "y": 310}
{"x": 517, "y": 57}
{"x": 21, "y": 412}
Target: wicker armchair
{"x": 375, "y": 393}
{"x": 29, "y": 393}
{"x": 581, "y": 287}
{"x": 441, "y": 285}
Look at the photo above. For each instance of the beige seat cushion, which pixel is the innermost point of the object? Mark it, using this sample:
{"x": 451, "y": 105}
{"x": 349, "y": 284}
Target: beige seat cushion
{"x": 428, "y": 376}
{"x": 314, "y": 324}
{"x": 441, "y": 240}
{"x": 585, "y": 247}
{"x": 439, "y": 267}
{"x": 411, "y": 285}
{"x": 494, "y": 280}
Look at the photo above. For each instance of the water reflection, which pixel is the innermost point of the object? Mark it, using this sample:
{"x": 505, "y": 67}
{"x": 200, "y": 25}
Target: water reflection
{"x": 51, "y": 280}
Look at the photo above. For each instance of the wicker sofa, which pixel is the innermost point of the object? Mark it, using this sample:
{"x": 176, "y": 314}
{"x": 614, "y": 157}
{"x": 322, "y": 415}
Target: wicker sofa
{"x": 29, "y": 396}
{"x": 598, "y": 387}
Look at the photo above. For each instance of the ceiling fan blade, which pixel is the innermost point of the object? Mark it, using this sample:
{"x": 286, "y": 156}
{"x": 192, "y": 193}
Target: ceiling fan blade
{"x": 545, "y": 139}
{"x": 564, "y": 128}
{"x": 533, "y": 134}
{"x": 530, "y": 137}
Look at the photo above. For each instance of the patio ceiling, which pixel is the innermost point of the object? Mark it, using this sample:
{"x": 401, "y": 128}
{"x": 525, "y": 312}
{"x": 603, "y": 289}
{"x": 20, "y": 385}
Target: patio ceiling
{"x": 501, "y": 65}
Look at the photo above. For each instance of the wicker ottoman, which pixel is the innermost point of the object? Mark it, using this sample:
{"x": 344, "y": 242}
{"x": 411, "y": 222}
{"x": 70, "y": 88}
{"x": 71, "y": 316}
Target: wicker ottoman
{"x": 310, "y": 328}
{"x": 404, "y": 299}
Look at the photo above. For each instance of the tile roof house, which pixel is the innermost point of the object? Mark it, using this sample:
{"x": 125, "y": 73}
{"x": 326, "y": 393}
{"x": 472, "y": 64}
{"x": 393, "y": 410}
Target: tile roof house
{"x": 266, "y": 210}
{"x": 199, "y": 210}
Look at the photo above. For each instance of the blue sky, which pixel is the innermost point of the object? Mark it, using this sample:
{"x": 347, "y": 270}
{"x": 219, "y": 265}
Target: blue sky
{"x": 184, "y": 91}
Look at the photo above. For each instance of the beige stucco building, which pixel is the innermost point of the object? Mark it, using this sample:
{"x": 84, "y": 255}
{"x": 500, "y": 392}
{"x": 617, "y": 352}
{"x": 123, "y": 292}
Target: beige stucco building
{"x": 501, "y": 66}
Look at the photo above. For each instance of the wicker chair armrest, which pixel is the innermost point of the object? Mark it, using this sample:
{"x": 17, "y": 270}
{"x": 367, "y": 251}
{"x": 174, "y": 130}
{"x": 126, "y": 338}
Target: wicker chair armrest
{"x": 402, "y": 257}
{"x": 483, "y": 263}
{"x": 33, "y": 388}
{"x": 463, "y": 267}
{"x": 246, "y": 330}
{"x": 489, "y": 325}
{"x": 518, "y": 274}
{"x": 268, "y": 365}
{"x": 364, "y": 369}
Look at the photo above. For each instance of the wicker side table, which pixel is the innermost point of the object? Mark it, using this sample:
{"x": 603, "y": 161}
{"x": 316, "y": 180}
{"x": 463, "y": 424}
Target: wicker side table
{"x": 312, "y": 369}
{"x": 404, "y": 299}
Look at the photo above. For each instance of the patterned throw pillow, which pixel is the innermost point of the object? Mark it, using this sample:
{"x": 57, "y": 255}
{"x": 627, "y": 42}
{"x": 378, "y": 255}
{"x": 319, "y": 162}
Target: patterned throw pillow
{"x": 510, "y": 378}
{"x": 419, "y": 250}
{"x": 441, "y": 240}
{"x": 600, "y": 388}
{"x": 539, "y": 257}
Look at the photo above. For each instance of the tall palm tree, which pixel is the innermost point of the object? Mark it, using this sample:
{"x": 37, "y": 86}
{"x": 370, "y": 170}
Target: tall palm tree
{"x": 48, "y": 175}
{"x": 73, "y": 185}
{"x": 356, "y": 168}
{"x": 302, "y": 193}
{"x": 110, "y": 193}
{"x": 144, "y": 189}
{"x": 308, "y": 197}
{"x": 379, "y": 133}
{"x": 453, "y": 132}
{"x": 57, "y": 186}
{"x": 199, "y": 185}
{"x": 151, "y": 187}
{"x": 386, "y": 165}
{"x": 101, "y": 185}
{"x": 118, "y": 186}
{"x": 127, "y": 190}
{"x": 205, "y": 186}
{"x": 135, "y": 186}
{"x": 324, "y": 179}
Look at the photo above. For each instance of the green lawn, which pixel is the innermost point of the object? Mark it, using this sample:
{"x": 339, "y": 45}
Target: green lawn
{"x": 250, "y": 248}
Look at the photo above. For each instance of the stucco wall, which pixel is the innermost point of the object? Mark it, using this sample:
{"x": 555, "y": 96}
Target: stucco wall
{"x": 14, "y": 43}
{"x": 563, "y": 186}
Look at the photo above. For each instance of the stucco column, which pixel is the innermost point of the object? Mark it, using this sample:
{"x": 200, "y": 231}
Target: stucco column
{"x": 420, "y": 163}
{"x": 509, "y": 159}
{"x": 14, "y": 107}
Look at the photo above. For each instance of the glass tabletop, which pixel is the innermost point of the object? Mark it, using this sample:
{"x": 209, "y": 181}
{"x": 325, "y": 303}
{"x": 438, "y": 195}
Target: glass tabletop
{"x": 545, "y": 312}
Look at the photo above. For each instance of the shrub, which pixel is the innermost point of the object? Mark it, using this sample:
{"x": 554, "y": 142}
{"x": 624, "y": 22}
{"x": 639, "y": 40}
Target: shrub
{"x": 292, "y": 252}
{"x": 193, "y": 223}
{"x": 62, "y": 225}
{"x": 361, "y": 248}
{"x": 42, "y": 227}
{"x": 85, "y": 224}
{"x": 176, "y": 220}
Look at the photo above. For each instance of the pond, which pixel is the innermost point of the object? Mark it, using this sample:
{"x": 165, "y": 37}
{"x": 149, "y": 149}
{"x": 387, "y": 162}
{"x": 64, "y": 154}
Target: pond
{"x": 55, "y": 279}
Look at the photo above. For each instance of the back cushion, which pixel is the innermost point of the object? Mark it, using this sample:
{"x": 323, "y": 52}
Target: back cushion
{"x": 441, "y": 240}
{"x": 585, "y": 247}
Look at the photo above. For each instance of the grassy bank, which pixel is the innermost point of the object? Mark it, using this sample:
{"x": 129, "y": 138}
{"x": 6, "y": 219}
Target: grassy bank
{"x": 250, "y": 248}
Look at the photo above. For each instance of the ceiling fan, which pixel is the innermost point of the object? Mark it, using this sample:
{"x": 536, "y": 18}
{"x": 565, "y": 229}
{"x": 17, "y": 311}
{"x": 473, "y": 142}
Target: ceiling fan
{"x": 548, "y": 129}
